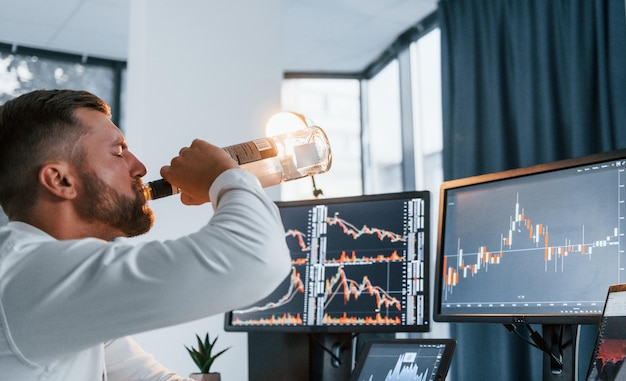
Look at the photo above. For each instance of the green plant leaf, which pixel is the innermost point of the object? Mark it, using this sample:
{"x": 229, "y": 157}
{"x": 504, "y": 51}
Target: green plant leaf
{"x": 203, "y": 357}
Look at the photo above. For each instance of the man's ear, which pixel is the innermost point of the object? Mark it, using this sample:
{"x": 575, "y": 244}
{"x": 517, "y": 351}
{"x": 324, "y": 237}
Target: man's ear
{"x": 59, "y": 179}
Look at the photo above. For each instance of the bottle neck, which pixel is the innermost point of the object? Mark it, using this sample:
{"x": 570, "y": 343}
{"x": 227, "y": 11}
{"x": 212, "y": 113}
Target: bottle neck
{"x": 158, "y": 189}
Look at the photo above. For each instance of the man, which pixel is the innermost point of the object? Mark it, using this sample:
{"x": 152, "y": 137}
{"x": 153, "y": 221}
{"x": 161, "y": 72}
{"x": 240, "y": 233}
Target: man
{"x": 69, "y": 293}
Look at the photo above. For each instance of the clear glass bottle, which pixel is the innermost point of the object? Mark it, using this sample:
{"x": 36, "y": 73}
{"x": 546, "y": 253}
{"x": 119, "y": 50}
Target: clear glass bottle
{"x": 272, "y": 160}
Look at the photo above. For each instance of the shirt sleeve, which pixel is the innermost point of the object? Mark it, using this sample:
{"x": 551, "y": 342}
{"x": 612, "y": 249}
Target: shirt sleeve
{"x": 63, "y": 296}
{"x": 126, "y": 360}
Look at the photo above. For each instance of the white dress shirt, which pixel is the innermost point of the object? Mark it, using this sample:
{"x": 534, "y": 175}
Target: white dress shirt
{"x": 67, "y": 307}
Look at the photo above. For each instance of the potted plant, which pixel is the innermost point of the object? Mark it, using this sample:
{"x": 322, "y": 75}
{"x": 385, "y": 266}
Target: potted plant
{"x": 203, "y": 357}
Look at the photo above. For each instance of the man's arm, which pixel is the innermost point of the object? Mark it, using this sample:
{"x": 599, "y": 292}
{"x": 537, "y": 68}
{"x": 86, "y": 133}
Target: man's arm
{"x": 82, "y": 289}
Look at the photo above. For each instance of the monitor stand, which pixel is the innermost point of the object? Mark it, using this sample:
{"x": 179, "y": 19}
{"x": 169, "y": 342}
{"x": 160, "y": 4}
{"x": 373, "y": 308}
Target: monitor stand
{"x": 561, "y": 340}
{"x": 279, "y": 356}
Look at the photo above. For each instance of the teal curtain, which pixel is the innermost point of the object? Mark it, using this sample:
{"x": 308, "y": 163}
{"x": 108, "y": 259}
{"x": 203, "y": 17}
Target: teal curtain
{"x": 531, "y": 81}
{"x": 526, "y": 82}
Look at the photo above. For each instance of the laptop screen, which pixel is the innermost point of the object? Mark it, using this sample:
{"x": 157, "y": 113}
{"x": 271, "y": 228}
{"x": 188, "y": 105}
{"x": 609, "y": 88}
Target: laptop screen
{"x": 404, "y": 359}
{"x": 610, "y": 348}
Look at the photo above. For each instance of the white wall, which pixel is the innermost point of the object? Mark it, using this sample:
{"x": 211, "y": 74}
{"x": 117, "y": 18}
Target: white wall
{"x": 207, "y": 69}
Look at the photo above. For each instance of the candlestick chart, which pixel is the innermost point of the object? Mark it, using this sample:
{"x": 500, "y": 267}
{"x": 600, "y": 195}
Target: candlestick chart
{"x": 535, "y": 243}
{"x": 351, "y": 266}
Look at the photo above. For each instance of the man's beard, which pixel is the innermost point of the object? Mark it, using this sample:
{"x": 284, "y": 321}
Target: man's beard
{"x": 102, "y": 203}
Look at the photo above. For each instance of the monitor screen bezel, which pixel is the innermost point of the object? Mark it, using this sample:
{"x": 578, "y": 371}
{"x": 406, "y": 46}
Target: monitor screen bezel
{"x": 446, "y": 186}
{"x": 421, "y": 194}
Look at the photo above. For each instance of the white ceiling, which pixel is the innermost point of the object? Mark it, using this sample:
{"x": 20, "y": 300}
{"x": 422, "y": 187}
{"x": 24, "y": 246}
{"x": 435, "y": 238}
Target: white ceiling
{"x": 345, "y": 35}
{"x": 319, "y": 35}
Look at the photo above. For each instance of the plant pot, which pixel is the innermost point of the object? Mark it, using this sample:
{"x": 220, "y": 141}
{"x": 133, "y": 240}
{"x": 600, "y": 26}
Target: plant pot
{"x": 206, "y": 376}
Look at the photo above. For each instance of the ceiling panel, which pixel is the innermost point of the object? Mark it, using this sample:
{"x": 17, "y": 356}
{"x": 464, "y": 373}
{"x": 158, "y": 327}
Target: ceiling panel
{"x": 319, "y": 35}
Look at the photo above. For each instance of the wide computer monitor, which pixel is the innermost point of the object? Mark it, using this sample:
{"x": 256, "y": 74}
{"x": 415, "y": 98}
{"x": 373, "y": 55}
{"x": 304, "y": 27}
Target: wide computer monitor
{"x": 537, "y": 245}
{"x": 359, "y": 264}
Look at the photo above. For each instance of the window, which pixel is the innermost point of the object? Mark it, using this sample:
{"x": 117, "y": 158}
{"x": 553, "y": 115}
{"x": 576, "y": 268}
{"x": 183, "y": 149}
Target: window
{"x": 393, "y": 140}
{"x": 333, "y": 105}
{"x": 23, "y": 70}
{"x": 427, "y": 118}
{"x": 382, "y": 132}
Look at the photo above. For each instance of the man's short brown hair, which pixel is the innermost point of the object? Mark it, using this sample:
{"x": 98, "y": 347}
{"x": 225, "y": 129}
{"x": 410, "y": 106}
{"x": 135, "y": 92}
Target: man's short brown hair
{"x": 37, "y": 127}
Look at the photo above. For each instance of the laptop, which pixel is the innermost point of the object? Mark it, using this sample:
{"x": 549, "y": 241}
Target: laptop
{"x": 609, "y": 352}
{"x": 404, "y": 359}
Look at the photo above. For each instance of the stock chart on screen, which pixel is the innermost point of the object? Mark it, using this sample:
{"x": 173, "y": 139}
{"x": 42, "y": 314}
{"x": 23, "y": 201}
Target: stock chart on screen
{"x": 358, "y": 263}
{"x": 545, "y": 242}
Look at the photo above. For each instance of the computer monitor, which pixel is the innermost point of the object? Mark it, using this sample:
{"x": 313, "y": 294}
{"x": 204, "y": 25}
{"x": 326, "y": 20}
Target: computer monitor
{"x": 359, "y": 264}
{"x": 537, "y": 245}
